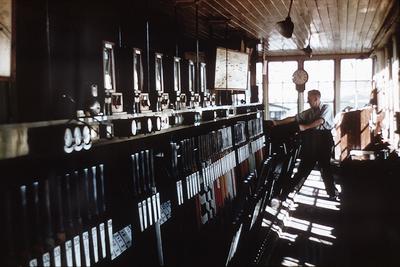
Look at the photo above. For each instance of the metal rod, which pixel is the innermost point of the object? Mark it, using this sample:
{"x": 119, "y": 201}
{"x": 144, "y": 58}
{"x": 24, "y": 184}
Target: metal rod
{"x": 290, "y": 7}
{"x": 197, "y": 90}
{"x": 176, "y": 31}
{"x": 119, "y": 36}
{"x": 48, "y": 40}
{"x": 148, "y": 55}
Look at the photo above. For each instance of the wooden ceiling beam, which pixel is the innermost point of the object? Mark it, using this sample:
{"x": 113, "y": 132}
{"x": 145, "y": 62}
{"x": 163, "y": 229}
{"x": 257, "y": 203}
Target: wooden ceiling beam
{"x": 337, "y": 26}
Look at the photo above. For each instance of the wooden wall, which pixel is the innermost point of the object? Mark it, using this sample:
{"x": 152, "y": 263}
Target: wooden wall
{"x": 386, "y": 76}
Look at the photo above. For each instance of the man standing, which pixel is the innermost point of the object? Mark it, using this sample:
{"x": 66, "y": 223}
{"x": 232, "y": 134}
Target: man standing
{"x": 315, "y": 124}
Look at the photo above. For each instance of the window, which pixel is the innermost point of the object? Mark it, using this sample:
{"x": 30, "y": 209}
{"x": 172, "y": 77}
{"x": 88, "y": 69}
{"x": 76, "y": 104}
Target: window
{"x": 259, "y": 80}
{"x": 356, "y": 83}
{"x": 321, "y": 76}
{"x": 282, "y": 94}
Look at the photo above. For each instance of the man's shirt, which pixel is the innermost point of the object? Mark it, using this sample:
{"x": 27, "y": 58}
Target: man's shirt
{"x": 324, "y": 111}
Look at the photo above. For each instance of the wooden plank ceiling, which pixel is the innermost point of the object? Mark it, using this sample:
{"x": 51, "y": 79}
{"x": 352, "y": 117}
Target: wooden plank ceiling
{"x": 335, "y": 26}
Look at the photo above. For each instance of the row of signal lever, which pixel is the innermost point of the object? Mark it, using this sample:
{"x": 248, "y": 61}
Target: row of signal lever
{"x": 70, "y": 224}
{"x": 59, "y": 221}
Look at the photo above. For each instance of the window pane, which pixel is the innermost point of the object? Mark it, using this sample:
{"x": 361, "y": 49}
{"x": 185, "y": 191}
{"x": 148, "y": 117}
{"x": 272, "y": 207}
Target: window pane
{"x": 326, "y": 89}
{"x": 282, "y": 91}
{"x": 259, "y": 80}
{"x": 274, "y": 92}
{"x": 355, "y": 86}
{"x": 321, "y": 77}
{"x": 364, "y": 69}
{"x": 347, "y": 69}
{"x": 281, "y": 71}
{"x": 320, "y": 70}
{"x": 363, "y": 91}
{"x": 347, "y": 94}
{"x": 356, "y": 69}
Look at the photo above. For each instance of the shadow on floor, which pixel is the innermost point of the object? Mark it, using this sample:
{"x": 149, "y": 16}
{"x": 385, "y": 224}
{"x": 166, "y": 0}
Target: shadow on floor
{"x": 362, "y": 228}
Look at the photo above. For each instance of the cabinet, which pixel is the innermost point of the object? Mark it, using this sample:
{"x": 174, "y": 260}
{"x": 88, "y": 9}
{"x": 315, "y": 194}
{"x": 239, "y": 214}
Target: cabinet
{"x": 352, "y": 132}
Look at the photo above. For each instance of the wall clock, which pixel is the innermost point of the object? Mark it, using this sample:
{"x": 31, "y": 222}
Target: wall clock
{"x": 300, "y": 77}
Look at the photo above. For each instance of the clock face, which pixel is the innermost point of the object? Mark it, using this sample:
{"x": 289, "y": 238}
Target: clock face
{"x": 300, "y": 77}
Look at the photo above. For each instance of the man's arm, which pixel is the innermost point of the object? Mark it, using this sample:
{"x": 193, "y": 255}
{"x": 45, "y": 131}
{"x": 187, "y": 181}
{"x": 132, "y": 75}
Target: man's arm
{"x": 314, "y": 124}
{"x": 284, "y": 121}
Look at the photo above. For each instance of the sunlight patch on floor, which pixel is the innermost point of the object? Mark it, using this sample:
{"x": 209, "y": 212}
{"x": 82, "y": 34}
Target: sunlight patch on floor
{"x": 288, "y": 261}
{"x": 271, "y": 210}
{"x": 322, "y": 232}
{"x": 324, "y": 227}
{"x": 283, "y": 235}
{"x": 309, "y": 264}
{"x": 266, "y": 223}
{"x": 327, "y": 204}
{"x": 298, "y": 224}
{"x": 321, "y": 241}
{"x": 315, "y": 183}
{"x": 305, "y": 200}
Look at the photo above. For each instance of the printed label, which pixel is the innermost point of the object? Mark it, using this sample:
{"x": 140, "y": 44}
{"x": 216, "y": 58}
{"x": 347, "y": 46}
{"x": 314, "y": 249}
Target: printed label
{"x": 128, "y": 231}
{"x": 126, "y": 236}
{"x": 68, "y": 253}
{"x": 120, "y": 241}
{"x": 95, "y": 244}
{"x": 57, "y": 256}
{"x": 46, "y": 259}
{"x": 115, "y": 248}
{"x": 85, "y": 238}
{"x": 33, "y": 263}
{"x": 77, "y": 250}
{"x": 103, "y": 240}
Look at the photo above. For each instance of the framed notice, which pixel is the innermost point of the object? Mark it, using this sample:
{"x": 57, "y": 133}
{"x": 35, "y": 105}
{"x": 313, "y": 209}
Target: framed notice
{"x": 5, "y": 37}
{"x": 231, "y": 70}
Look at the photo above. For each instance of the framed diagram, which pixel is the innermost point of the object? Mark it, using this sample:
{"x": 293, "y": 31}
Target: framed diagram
{"x": 5, "y": 37}
{"x": 230, "y": 70}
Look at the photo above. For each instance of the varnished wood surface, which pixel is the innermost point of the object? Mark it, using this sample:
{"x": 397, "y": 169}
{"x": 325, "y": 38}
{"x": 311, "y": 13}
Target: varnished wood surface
{"x": 336, "y": 26}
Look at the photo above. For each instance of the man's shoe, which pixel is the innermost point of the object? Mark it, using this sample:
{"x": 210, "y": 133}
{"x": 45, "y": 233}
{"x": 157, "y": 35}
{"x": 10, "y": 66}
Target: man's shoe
{"x": 334, "y": 198}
